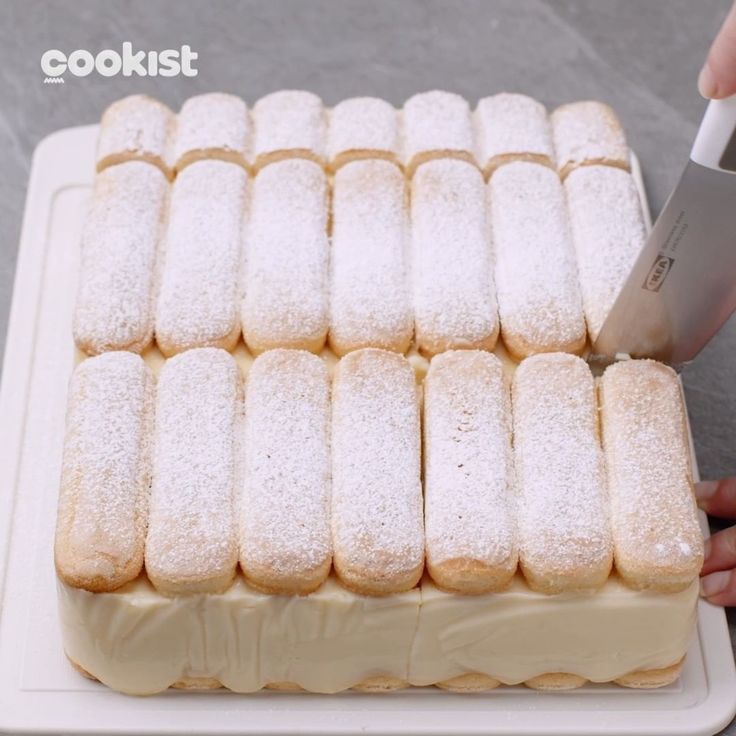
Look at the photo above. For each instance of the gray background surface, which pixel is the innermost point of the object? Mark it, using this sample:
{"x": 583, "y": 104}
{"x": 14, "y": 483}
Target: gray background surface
{"x": 642, "y": 57}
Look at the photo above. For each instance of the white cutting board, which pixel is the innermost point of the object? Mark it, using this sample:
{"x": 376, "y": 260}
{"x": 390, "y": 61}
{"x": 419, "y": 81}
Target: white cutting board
{"x": 39, "y": 691}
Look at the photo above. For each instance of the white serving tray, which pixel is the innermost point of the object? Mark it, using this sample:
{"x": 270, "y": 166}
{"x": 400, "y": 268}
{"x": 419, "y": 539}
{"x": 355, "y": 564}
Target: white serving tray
{"x": 39, "y": 691}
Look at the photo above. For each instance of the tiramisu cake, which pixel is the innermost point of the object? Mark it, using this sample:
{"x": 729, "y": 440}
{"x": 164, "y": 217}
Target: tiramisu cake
{"x": 334, "y": 431}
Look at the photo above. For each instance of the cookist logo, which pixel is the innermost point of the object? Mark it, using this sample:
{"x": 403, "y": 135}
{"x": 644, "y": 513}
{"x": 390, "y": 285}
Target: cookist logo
{"x": 109, "y": 63}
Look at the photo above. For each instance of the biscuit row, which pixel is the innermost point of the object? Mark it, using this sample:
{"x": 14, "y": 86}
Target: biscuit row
{"x": 302, "y": 474}
{"x": 445, "y": 259}
{"x": 293, "y": 296}
{"x": 475, "y": 682}
{"x": 296, "y": 124}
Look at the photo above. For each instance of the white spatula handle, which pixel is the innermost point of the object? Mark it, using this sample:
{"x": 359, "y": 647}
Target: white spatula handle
{"x": 715, "y": 144}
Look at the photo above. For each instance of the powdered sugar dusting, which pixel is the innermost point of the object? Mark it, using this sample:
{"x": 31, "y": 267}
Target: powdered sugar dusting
{"x": 286, "y": 253}
{"x": 563, "y": 514}
{"x": 114, "y": 309}
{"x": 539, "y": 300}
{"x": 468, "y": 472}
{"x": 214, "y": 121}
{"x": 285, "y": 505}
{"x": 653, "y": 507}
{"x": 440, "y": 267}
{"x": 289, "y": 120}
{"x": 136, "y": 127}
{"x": 370, "y": 299}
{"x": 377, "y": 495}
{"x": 192, "y": 532}
{"x": 608, "y": 234}
{"x": 436, "y": 121}
{"x": 198, "y": 296}
{"x": 588, "y": 131}
{"x": 106, "y": 472}
{"x": 508, "y": 124}
{"x": 362, "y": 124}
{"x": 452, "y": 268}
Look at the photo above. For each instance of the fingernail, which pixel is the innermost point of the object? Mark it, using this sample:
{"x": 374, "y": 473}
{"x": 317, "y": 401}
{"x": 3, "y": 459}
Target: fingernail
{"x": 706, "y": 549}
{"x": 705, "y": 490}
{"x": 707, "y": 84}
{"x": 714, "y": 583}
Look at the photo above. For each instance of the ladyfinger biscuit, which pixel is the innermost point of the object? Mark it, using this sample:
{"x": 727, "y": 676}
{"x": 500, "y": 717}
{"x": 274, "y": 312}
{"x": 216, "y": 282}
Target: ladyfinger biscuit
{"x": 555, "y": 681}
{"x": 608, "y": 233}
{"x": 197, "y": 683}
{"x": 192, "y": 542}
{"x": 564, "y": 530}
{"x": 285, "y": 540}
{"x": 362, "y": 127}
{"x": 285, "y": 687}
{"x": 120, "y": 239}
{"x": 380, "y": 684}
{"x": 288, "y": 124}
{"x": 452, "y": 264}
{"x": 436, "y": 125}
{"x": 587, "y": 133}
{"x": 198, "y": 297}
{"x": 512, "y": 127}
{"x": 286, "y": 259}
{"x": 377, "y": 530}
{"x": 106, "y": 471}
{"x": 136, "y": 128}
{"x": 78, "y": 667}
{"x": 214, "y": 125}
{"x": 370, "y": 296}
{"x": 657, "y": 540}
{"x": 471, "y": 542}
{"x": 539, "y": 302}
{"x": 473, "y": 682}
{"x": 649, "y": 679}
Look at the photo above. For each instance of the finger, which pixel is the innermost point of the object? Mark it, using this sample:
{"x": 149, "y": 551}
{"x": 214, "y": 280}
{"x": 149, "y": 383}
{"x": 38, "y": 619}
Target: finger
{"x": 717, "y": 497}
{"x": 720, "y": 588}
{"x": 718, "y": 76}
{"x": 720, "y": 551}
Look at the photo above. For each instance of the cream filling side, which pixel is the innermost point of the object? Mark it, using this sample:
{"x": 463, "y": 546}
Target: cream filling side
{"x": 138, "y": 641}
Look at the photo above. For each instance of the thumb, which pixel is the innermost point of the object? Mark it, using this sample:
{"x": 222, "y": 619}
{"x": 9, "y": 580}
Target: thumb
{"x": 718, "y": 75}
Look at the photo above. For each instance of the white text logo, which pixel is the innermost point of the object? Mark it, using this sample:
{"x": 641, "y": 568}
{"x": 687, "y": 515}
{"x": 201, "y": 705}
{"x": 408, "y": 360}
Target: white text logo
{"x": 109, "y": 63}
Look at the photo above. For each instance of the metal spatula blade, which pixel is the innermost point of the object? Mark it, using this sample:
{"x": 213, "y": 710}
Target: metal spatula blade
{"x": 682, "y": 287}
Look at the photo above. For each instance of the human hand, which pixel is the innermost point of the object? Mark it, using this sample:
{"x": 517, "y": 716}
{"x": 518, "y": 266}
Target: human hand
{"x": 718, "y": 75}
{"x": 718, "y": 581}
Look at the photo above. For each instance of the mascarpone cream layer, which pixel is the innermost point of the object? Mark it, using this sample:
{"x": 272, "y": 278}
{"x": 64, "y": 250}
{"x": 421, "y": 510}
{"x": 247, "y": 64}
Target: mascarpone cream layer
{"x": 138, "y": 641}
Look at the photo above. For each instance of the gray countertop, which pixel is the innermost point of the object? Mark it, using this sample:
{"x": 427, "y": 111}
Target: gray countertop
{"x": 642, "y": 57}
